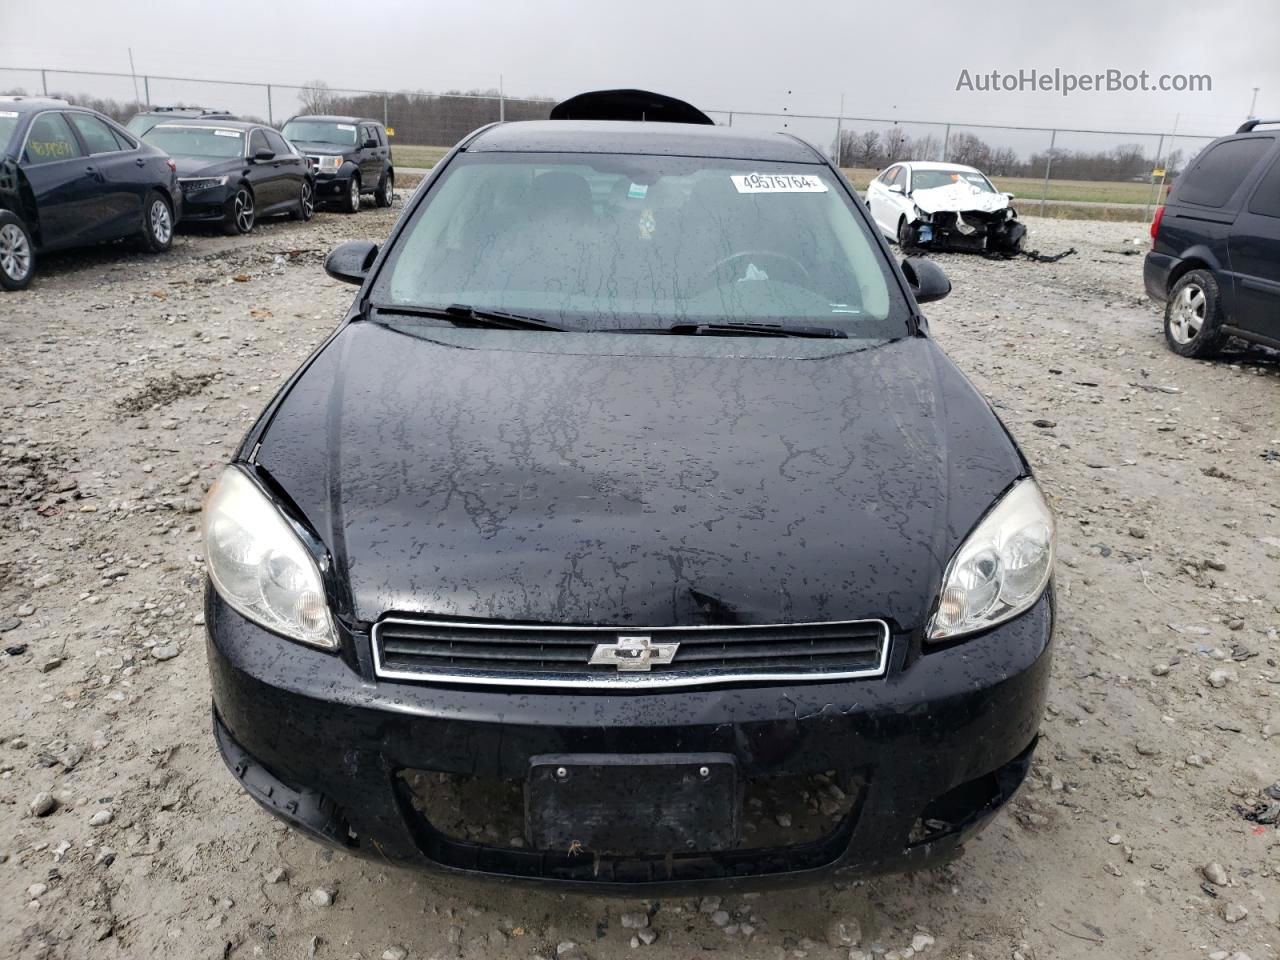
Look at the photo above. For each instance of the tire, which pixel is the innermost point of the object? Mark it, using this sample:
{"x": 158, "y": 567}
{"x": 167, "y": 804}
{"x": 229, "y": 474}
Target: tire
{"x": 1193, "y": 315}
{"x": 352, "y": 202}
{"x": 241, "y": 212}
{"x": 157, "y": 223}
{"x": 906, "y": 234}
{"x": 17, "y": 253}
{"x": 386, "y": 192}
{"x": 306, "y": 202}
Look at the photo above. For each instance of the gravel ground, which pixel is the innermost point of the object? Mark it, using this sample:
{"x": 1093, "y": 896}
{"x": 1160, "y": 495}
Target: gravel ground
{"x": 126, "y": 382}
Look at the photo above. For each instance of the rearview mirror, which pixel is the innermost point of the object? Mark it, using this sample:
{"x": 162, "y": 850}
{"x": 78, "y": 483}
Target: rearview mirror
{"x": 264, "y": 155}
{"x": 350, "y": 261}
{"x": 927, "y": 281}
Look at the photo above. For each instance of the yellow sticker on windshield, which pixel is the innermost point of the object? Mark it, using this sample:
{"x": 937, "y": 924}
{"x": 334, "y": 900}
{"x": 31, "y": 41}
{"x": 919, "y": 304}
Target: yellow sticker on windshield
{"x": 777, "y": 183}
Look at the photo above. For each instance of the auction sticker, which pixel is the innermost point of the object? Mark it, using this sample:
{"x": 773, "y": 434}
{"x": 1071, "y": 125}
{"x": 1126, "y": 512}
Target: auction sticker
{"x": 227, "y": 133}
{"x": 8, "y": 113}
{"x": 777, "y": 183}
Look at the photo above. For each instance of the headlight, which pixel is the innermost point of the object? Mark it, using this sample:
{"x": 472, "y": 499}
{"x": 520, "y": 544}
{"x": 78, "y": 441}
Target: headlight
{"x": 330, "y": 163}
{"x": 194, "y": 184}
{"x": 259, "y": 566}
{"x": 1001, "y": 569}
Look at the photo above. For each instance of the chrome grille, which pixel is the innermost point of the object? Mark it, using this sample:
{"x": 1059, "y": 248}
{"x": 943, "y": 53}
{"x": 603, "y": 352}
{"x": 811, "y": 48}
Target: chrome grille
{"x": 536, "y": 655}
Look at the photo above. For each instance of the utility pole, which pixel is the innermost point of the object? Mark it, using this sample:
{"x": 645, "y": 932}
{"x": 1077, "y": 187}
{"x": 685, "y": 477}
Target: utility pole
{"x": 502, "y": 101}
{"x": 839, "y": 144}
{"x": 1254, "y": 105}
{"x": 135, "y": 77}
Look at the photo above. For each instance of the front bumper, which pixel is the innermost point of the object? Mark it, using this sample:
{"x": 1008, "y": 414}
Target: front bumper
{"x": 206, "y": 206}
{"x": 981, "y": 233}
{"x": 320, "y": 743}
{"x": 333, "y": 185}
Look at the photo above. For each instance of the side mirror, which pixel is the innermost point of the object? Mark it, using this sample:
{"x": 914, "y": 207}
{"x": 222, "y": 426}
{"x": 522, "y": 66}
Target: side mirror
{"x": 370, "y": 144}
{"x": 262, "y": 156}
{"x": 350, "y": 261}
{"x": 927, "y": 281}
{"x": 896, "y": 188}
{"x": 1009, "y": 195}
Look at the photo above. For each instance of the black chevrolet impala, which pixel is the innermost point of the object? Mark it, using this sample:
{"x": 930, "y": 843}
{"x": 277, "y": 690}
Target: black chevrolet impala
{"x": 632, "y": 533}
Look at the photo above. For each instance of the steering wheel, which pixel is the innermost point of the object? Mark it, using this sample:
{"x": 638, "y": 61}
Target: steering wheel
{"x": 792, "y": 265}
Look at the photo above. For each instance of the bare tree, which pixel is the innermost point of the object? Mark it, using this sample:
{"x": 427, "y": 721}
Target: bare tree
{"x": 316, "y": 97}
{"x": 867, "y": 153}
{"x": 895, "y": 144}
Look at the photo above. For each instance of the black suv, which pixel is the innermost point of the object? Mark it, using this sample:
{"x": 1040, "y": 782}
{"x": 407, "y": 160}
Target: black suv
{"x": 1215, "y": 253}
{"x": 631, "y": 531}
{"x": 140, "y": 123}
{"x": 70, "y": 176}
{"x": 350, "y": 156}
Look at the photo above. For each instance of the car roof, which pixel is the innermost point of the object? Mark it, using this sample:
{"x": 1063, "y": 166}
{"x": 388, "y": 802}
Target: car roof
{"x": 931, "y": 165}
{"x": 210, "y": 123}
{"x": 624, "y": 136}
{"x": 329, "y": 118}
{"x": 24, "y": 105}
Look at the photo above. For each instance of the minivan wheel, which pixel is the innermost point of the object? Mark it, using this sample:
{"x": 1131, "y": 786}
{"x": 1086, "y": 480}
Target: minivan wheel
{"x": 1192, "y": 317}
{"x": 157, "y": 223}
{"x": 353, "y": 195}
{"x": 240, "y": 212}
{"x": 386, "y": 190}
{"x": 306, "y": 202}
{"x": 17, "y": 253}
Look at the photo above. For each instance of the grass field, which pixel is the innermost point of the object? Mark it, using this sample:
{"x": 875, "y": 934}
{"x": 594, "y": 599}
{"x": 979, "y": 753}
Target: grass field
{"x": 1061, "y": 193}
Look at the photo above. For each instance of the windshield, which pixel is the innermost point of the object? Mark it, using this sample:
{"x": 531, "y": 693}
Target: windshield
{"x": 928, "y": 179}
{"x": 141, "y": 123}
{"x": 182, "y": 141}
{"x": 8, "y": 124}
{"x": 321, "y": 131}
{"x": 602, "y": 242}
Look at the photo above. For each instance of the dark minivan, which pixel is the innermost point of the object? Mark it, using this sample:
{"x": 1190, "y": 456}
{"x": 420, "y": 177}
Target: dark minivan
{"x": 350, "y": 156}
{"x": 1215, "y": 254}
{"x": 69, "y": 177}
{"x": 631, "y": 532}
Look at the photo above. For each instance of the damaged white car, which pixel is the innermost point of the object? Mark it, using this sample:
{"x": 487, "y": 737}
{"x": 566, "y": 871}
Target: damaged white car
{"x": 944, "y": 206}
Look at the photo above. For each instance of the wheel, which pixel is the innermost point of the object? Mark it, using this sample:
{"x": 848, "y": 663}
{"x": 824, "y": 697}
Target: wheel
{"x": 906, "y": 234}
{"x": 306, "y": 202}
{"x": 17, "y": 253}
{"x": 157, "y": 223}
{"x": 1193, "y": 315}
{"x": 353, "y": 195}
{"x": 240, "y": 212}
{"x": 386, "y": 190}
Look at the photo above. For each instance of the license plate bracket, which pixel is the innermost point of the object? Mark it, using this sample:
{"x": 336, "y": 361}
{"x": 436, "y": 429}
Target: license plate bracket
{"x": 632, "y": 804}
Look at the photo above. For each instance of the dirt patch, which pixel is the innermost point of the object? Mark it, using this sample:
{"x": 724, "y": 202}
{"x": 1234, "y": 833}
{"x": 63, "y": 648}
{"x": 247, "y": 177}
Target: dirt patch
{"x": 160, "y": 393}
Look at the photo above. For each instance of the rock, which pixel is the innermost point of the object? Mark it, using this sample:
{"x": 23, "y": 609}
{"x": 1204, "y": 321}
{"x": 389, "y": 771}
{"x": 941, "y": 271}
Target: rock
{"x": 720, "y": 918}
{"x": 1044, "y": 424}
{"x": 921, "y": 942}
{"x": 276, "y": 875}
{"x": 9, "y": 623}
{"x": 100, "y": 819}
{"x": 1215, "y": 874}
{"x": 1160, "y": 670}
{"x": 647, "y": 936}
{"x": 37, "y": 890}
{"x": 165, "y": 651}
{"x": 42, "y": 804}
{"x": 319, "y": 897}
{"x": 634, "y": 921}
{"x": 53, "y": 663}
{"x": 1218, "y": 678}
{"x": 708, "y": 904}
{"x": 1138, "y": 533}
{"x": 784, "y": 819}
{"x": 843, "y": 933}
{"x": 1234, "y": 912}
{"x": 394, "y": 953}
{"x": 1115, "y": 839}
{"x": 1215, "y": 563}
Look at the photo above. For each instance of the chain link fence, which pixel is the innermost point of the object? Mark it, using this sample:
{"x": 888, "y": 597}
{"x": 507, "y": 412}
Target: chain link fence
{"x": 1103, "y": 173}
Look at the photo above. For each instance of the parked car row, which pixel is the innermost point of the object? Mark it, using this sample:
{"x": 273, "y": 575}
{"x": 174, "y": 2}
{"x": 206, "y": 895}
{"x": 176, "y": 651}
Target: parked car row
{"x": 70, "y": 176}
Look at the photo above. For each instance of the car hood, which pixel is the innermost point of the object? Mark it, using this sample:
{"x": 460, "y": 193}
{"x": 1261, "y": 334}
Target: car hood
{"x": 638, "y": 481}
{"x": 960, "y": 197}
{"x": 206, "y": 167}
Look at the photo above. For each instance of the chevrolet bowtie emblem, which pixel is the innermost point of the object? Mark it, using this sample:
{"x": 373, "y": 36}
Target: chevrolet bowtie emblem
{"x": 633, "y": 654}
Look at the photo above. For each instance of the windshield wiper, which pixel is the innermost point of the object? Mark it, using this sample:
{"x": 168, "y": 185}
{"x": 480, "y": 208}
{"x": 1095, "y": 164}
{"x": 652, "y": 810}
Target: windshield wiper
{"x": 755, "y": 330}
{"x": 468, "y": 316}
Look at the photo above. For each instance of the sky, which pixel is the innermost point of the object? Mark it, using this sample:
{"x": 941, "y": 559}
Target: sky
{"x": 891, "y": 60}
